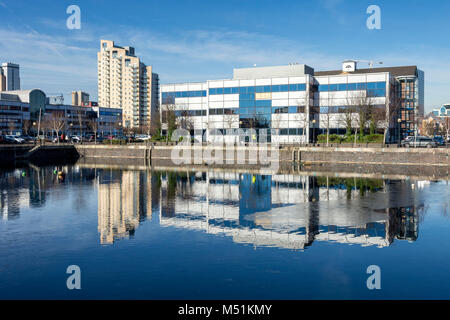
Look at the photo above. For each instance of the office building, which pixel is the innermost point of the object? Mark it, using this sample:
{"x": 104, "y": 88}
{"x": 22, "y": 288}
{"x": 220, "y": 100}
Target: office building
{"x": 293, "y": 103}
{"x": 20, "y": 112}
{"x": 442, "y": 112}
{"x": 80, "y": 98}
{"x": 11, "y": 76}
{"x": 2, "y": 80}
{"x": 125, "y": 82}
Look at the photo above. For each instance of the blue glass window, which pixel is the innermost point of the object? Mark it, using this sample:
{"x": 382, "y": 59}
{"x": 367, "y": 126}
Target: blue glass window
{"x": 243, "y": 90}
{"x": 250, "y": 89}
{"x": 381, "y": 85}
{"x": 234, "y": 90}
{"x": 332, "y": 87}
{"x": 284, "y": 88}
{"x": 267, "y": 89}
{"x": 259, "y": 89}
{"x": 219, "y": 90}
{"x": 323, "y": 87}
{"x": 342, "y": 87}
{"x": 371, "y": 85}
{"x": 351, "y": 86}
{"x": 276, "y": 88}
{"x": 292, "y": 109}
{"x": 227, "y": 90}
{"x": 361, "y": 86}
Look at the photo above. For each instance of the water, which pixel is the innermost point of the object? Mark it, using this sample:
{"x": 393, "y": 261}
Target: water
{"x": 213, "y": 235}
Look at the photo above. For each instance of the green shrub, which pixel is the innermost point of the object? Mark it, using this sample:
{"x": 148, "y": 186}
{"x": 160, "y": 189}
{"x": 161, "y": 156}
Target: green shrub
{"x": 335, "y": 138}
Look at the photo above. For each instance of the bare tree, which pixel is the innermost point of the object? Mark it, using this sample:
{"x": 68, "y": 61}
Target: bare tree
{"x": 80, "y": 121}
{"x": 364, "y": 106}
{"x": 93, "y": 125}
{"x": 26, "y": 126}
{"x": 11, "y": 126}
{"x": 57, "y": 122}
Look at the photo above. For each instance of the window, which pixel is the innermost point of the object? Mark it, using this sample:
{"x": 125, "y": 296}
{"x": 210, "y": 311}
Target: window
{"x": 284, "y": 88}
{"x": 342, "y": 87}
{"x": 276, "y": 88}
{"x": 292, "y": 109}
{"x": 351, "y": 86}
{"x": 259, "y": 89}
{"x": 371, "y": 85}
{"x": 323, "y": 87}
{"x": 227, "y": 90}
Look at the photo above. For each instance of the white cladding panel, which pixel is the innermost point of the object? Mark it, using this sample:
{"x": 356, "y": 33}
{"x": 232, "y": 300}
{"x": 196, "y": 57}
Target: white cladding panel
{"x": 280, "y": 103}
{"x": 231, "y": 83}
{"x": 214, "y": 97}
{"x": 181, "y": 87}
{"x": 263, "y": 82}
{"x": 215, "y": 84}
{"x": 215, "y": 104}
{"x": 231, "y": 104}
{"x": 280, "y": 95}
{"x": 276, "y": 81}
{"x": 167, "y": 88}
{"x": 195, "y": 87}
{"x": 231, "y": 97}
{"x": 247, "y": 83}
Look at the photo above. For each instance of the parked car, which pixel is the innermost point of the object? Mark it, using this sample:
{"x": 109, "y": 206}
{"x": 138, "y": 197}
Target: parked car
{"x": 3, "y": 140}
{"x": 28, "y": 138}
{"x": 142, "y": 137}
{"x": 418, "y": 142}
{"x": 440, "y": 141}
{"x": 75, "y": 139}
{"x": 15, "y": 139}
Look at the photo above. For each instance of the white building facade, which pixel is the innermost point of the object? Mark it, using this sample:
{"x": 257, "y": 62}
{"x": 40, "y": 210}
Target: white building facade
{"x": 292, "y": 104}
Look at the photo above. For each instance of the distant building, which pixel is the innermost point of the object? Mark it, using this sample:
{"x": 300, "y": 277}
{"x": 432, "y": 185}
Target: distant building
{"x": 11, "y": 76}
{"x": 2, "y": 80}
{"x": 90, "y": 104}
{"x": 79, "y": 98}
{"x": 21, "y": 110}
{"x": 125, "y": 82}
{"x": 443, "y": 111}
{"x": 55, "y": 99}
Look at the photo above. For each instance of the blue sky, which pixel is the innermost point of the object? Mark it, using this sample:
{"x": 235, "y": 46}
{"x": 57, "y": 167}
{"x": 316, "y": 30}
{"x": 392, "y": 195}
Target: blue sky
{"x": 204, "y": 40}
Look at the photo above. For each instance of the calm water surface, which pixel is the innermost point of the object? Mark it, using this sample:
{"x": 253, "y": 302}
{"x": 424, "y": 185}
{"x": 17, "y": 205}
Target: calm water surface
{"x": 215, "y": 235}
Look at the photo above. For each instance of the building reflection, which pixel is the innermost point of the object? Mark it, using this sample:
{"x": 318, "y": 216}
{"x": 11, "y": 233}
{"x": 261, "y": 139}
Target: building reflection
{"x": 288, "y": 211}
{"x": 124, "y": 200}
{"x": 29, "y": 187}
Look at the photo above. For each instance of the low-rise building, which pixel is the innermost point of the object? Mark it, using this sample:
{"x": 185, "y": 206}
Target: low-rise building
{"x": 293, "y": 104}
{"x": 25, "y": 111}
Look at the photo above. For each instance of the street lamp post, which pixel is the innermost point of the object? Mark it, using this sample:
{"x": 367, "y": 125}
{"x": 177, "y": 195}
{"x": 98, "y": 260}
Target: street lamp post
{"x": 399, "y": 121}
{"x": 314, "y": 131}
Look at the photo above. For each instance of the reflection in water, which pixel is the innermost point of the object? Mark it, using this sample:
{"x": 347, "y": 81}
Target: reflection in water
{"x": 285, "y": 211}
{"x": 289, "y": 211}
{"x": 124, "y": 200}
